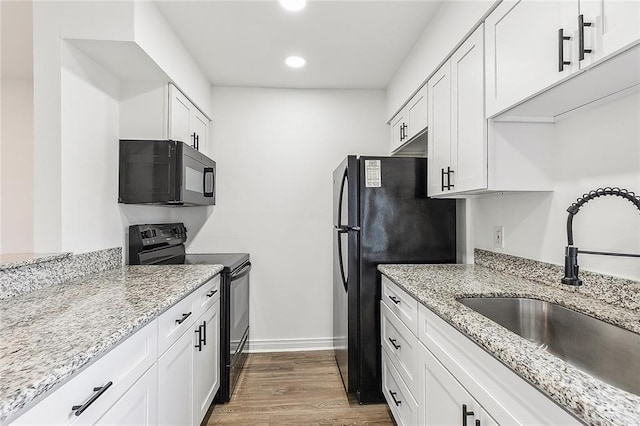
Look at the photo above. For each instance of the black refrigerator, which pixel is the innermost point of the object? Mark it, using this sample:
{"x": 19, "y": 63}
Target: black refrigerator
{"x": 381, "y": 214}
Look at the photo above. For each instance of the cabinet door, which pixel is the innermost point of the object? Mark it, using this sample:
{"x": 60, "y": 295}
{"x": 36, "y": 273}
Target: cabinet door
{"x": 207, "y": 362}
{"x": 469, "y": 128}
{"x": 439, "y": 134}
{"x": 199, "y": 127}
{"x": 179, "y": 116}
{"x": 397, "y": 130}
{"x": 445, "y": 400}
{"x": 138, "y": 406}
{"x": 417, "y": 112}
{"x": 175, "y": 382}
{"x": 522, "y": 49}
{"x": 614, "y": 25}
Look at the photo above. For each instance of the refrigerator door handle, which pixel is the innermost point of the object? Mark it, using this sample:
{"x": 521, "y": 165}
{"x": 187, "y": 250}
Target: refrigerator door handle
{"x": 343, "y": 229}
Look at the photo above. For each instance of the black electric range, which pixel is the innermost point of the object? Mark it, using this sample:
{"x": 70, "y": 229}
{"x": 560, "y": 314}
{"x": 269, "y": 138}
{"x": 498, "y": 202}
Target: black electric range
{"x": 163, "y": 244}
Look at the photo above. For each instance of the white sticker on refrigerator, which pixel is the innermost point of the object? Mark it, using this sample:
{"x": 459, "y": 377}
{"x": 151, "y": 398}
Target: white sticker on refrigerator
{"x": 373, "y": 178}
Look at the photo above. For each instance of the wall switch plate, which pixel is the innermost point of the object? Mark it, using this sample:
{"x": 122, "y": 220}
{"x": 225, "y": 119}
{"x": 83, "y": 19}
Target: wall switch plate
{"x": 498, "y": 236}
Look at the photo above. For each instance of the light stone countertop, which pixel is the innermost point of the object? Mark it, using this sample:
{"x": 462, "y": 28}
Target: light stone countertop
{"x": 17, "y": 260}
{"x": 589, "y": 399}
{"x": 49, "y": 335}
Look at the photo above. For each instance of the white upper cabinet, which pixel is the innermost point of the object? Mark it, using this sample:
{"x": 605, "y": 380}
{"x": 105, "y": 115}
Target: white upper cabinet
{"x": 468, "y": 126}
{"x": 610, "y": 26}
{"x": 439, "y": 135}
{"x": 522, "y": 39}
{"x": 161, "y": 111}
{"x": 417, "y": 112}
{"x": 534, "y": 45}
{"x": 186, "y": 123}
{"x": 457, "y": 137}
{"x": 410, "y": 121}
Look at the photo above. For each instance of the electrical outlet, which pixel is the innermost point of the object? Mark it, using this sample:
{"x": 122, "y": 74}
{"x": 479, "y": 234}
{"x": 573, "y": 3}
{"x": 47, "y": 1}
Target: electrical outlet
{"x": 498, "y": 236}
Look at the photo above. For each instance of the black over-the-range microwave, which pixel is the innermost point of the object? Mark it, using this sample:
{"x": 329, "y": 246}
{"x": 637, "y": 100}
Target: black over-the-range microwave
{"x": 165, "y": 172}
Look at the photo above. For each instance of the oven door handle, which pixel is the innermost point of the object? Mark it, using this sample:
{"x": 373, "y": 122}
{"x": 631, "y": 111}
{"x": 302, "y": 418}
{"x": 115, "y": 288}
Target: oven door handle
{"x": 242, "y": 272}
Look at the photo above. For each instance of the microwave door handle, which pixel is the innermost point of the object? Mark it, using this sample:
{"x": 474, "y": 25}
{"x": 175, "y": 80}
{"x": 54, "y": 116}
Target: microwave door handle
{"x": 206, "y": 193}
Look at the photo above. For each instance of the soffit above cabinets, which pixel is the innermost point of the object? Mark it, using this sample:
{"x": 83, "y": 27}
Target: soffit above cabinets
{"x": 347, "y": 44}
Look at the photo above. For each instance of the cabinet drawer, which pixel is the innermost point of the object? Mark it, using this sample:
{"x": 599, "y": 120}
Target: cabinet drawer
{"x": 175, "y": 321}
{"x": 401, "y": 345}
{"x": 402, "y": 404}
{"x": 121, "y": 367}
{"x": 400, "y": 303}
{"x": 206, "y": 296}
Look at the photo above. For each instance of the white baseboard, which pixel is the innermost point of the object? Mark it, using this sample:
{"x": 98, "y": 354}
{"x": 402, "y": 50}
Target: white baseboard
{"x": 290, "y": 345}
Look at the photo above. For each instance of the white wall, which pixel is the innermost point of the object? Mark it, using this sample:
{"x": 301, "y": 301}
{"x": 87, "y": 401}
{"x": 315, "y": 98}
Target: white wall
{"x": 595, "y": 148}
{"x": 276, "y": 151}
{"x": 17, "y": 166}
{"x": 448, "y": 27}
{"x": 16, "y": 127}
{"x": 76, "y": 120}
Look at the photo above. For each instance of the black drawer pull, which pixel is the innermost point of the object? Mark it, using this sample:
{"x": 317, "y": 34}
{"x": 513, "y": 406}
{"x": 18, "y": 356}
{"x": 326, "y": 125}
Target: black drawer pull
{"x": 199, "y": 344}
{"x": 581, "y": 49}
{"x": 204, "y": 333}
{"x": 465, "y": 414}
{"x": 79, "y": 409}
{"x": 184, "y": 317}
{"x": 393, "y": 342}
{"x": 211, "y": 293}
{"x": 561, "y": 40}
{"x": 393, "y": 396}
{"x": 394, "y": 299}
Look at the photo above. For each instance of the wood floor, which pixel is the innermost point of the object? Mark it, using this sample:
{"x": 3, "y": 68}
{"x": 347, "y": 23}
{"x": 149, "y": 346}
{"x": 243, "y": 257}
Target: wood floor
{"x": 294, "y": 388}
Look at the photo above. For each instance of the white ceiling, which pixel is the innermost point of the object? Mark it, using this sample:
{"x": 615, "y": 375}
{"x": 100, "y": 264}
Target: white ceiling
{"x": 354, "y": 44}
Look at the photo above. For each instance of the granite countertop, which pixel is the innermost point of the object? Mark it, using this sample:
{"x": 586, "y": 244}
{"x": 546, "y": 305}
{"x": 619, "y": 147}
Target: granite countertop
{"x": 17, "y": 260}
{"x": 589, "y": 399}
{"x": 49, "y": 335}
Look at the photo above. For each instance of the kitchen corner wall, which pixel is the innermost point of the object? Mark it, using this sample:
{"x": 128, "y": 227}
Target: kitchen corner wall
{"x": 76, "y": 116}
{"x": 594, "y": 148}
{"x": 276, "y": 150}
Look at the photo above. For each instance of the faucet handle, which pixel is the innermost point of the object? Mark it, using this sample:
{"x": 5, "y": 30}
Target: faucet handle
{"x": 571, "y": 267}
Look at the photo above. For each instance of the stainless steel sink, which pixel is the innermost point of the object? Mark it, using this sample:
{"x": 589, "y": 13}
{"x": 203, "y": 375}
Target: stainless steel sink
{"x": 605, "y": 351}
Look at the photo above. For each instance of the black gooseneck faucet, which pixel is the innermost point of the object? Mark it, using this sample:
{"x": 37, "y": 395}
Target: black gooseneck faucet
{"x": 571, "y": 252}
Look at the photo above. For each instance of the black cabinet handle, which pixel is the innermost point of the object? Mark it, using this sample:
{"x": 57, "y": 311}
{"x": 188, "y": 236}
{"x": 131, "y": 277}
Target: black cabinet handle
{"x": 211, "y": 293}
{"x": 442, "y": 178}
{"x": 79, "y": 409}
{"x": 394, "y": 300}
{"x": 449, "y": 184}
{"x": 197, "y": 142}
{"x": 465, "y": 414}
{"x": 204, "y": 333}
{"x": 477, "y": 422}
{"x": 581, "y": 25}
{"x": 194, "y": 136}
{"x": 401, "y": 132}
{"x": 393, "y": 342}
{"x": 184, "y": 317}
{"x": 393, "y": 396}
{"x": 199, "y": 344}
{"x": 561, "y": 40}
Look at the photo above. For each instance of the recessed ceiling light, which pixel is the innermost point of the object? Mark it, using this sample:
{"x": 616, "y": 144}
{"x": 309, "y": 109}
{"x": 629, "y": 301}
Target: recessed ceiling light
{"x": 295, "y": 62}
{"x": 293, "y": 5}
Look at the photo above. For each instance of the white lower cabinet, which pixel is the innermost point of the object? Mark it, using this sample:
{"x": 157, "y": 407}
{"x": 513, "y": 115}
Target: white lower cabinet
{"x": 188, "y": 372}
{"x": 438, "y": 376}
{"x": 175, "y": 382}
{"x": 446, "y": 402}
{"x": 138, "y": 406}
{"x": 403, "y": 406}
{"x": 207, "y": 361}
{"x": 165, "y": 373}
{"x": 90, "y": 394}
